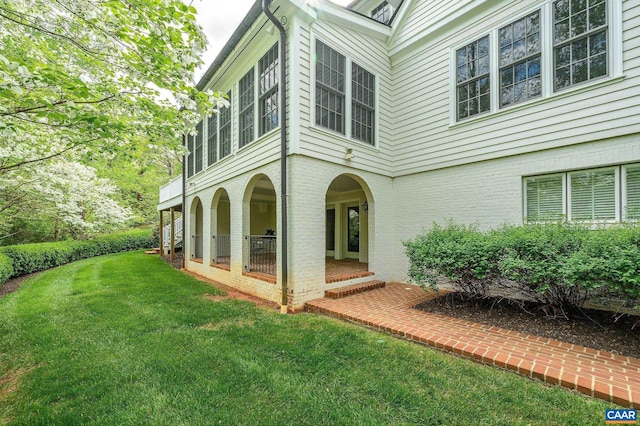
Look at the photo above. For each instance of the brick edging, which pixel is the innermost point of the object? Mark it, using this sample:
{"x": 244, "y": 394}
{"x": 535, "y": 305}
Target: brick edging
{"x": 534, "y": 369}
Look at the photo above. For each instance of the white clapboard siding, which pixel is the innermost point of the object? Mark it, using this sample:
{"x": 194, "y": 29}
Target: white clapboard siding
{"x": 371, "y": 54}
{"x": 426, "y": 140}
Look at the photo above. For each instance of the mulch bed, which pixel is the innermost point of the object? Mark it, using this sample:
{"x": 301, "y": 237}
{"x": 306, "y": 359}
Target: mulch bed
{"x": 595, "y": 329}
{"x": 14, "y": 283}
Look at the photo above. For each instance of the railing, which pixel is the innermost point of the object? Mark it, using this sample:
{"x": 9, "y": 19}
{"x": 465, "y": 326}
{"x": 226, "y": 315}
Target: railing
{"x": 262, "y": 254}
{"x": 197, "y": 246}
{"x": 171, "y": 189}
{"x": 221, "y": 245}
{"x": 166, "y": 233}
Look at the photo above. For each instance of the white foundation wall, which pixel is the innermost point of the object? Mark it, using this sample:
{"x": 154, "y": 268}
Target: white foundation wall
{"x": 488, "y": 193}
{"x": 309, "y": 180}
{"x": 236, "y": 188}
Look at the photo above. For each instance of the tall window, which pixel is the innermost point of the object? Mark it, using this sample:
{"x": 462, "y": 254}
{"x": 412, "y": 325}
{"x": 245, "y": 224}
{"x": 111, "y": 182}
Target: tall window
{"x": 190, "y": 156}
{"x": 225, "y": 129}
{"x": 579, "y": 41}
{"x": 544, "y": 198}
{"x": 383, "y": 12}
{"x": 472, "y": 77}
{"x": 330, "y": 88}
{"x": 199, "y": 146}
{"x": 363, "y": 101}
{"x": 268, "y": 90}
{"x": 245, "y": 105}
{"x": 520, "y": 60}
{"x": 212, "y": 139}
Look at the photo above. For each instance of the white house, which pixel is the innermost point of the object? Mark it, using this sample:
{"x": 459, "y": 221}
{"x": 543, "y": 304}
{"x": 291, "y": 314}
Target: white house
{"x": 400, "y": 114}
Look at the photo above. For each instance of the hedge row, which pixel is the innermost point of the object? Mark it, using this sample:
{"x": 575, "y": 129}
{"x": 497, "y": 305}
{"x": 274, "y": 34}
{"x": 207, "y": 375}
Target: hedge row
{"x": 26, "y": 258}
{"x": 556, "y": 264}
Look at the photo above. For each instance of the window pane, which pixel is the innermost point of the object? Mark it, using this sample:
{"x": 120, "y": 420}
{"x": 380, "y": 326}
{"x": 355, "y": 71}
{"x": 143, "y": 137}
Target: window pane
{"x": 245, "y": 115}
{"x": 580, "y": 53}
{"x": 383, "y": 12}
{"x": 268, "y": 69}
{"x": 593, "y": 195}
{"x": 363, "y": 104}
{"x": 225, "y": 129}
{"x": 330, "y": 96}
{"x": 199, "y": 147}
{"x": 632, "y": 209}
{"x": 473, "y": 89}
{"x": 212, "y": 139}
{"x": 544, "y": 198}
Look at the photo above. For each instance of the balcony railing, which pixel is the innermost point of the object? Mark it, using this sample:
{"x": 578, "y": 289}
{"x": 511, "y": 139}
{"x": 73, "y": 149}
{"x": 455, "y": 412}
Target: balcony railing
{"x": 262, "y": 254}
{"x": 171, "y": 189}
{"x": 221, "y": 245}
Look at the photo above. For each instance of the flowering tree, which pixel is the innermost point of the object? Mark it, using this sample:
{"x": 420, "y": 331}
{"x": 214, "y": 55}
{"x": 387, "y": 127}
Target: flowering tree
{"x": 86, "y": 75}
{"x": 82, "y": 80}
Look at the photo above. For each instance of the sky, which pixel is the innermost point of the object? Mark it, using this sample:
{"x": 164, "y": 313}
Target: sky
{"x": 220, "y": 18}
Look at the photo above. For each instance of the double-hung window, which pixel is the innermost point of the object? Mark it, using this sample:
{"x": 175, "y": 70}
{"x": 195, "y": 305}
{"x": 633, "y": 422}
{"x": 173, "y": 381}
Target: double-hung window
{"x": 225, "y": 129}
{"x": 268, "y": 90}
{"x": 341, "y": 82}
{"x": 520, "y": 60}
{"x": 199, "y": 147}
{"x": 330, "y": 88}
{"x": 212, "y": 139}
{"x": 363, "y": 103}
{"x": 245, "y": 106}
{"x": 580, "y": 41}
{"x": 472, "y": 78}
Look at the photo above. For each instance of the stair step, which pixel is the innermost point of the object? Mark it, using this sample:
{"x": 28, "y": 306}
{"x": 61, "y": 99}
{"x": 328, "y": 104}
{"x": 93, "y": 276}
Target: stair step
{"x": 339, "y": 293}
{"x": 153, "y": 251}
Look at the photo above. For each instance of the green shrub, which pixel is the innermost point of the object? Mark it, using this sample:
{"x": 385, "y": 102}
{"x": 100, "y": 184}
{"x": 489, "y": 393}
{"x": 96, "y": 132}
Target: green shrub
{"x": 6, "y": 268}
{"x": 26, "y": 258}
{"x": 556, "y": 264}
{"x": 462, "y": 254}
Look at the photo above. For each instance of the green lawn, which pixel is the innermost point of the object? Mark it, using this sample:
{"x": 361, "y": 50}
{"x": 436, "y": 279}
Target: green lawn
{"x": 124, "y": 339}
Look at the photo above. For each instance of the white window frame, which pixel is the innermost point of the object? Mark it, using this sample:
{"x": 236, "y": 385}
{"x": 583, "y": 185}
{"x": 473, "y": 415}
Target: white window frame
{"x": 614, "y": 58}
{"x": 348, "y": 99}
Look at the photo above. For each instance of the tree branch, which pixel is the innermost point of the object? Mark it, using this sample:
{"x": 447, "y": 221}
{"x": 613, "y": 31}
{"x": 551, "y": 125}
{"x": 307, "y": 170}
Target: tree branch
{"x": 48, "y": 157}
{"x": 40, "y": 107}
{"x": 69, "y": 39}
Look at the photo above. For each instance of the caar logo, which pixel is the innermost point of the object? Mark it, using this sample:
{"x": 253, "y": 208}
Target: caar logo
{"x": 619, "y": 417}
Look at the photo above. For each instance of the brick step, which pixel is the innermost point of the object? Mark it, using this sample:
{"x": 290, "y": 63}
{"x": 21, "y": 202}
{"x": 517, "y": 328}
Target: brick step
{"x": 153, "y": 251}
{"x": 339, "y": 293}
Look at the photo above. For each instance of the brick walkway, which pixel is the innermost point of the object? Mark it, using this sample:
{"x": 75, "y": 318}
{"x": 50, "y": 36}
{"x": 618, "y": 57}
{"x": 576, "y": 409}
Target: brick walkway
{"x": 600, "y": 374}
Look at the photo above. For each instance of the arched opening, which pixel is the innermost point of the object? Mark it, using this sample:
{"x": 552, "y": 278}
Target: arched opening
{"x": 347, "y": 229}
{"x": 221, "y": 230}
{"x": 196, "y": 230}
{"x": 260, "y": 228}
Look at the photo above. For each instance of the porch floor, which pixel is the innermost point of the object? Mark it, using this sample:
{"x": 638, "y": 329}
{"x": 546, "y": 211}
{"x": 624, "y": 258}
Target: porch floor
{"x": 345, "y": 269}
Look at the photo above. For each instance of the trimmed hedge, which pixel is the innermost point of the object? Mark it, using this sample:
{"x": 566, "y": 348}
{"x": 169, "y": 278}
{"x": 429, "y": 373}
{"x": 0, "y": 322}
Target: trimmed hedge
{"x": 27, "y": 258}
{"x": 556, "y": 264}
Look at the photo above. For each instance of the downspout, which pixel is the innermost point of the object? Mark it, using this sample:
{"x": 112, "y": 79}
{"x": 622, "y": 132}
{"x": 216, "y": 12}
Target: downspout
{"x": 283, "y": 149}
{"x": 184, "y": 196}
